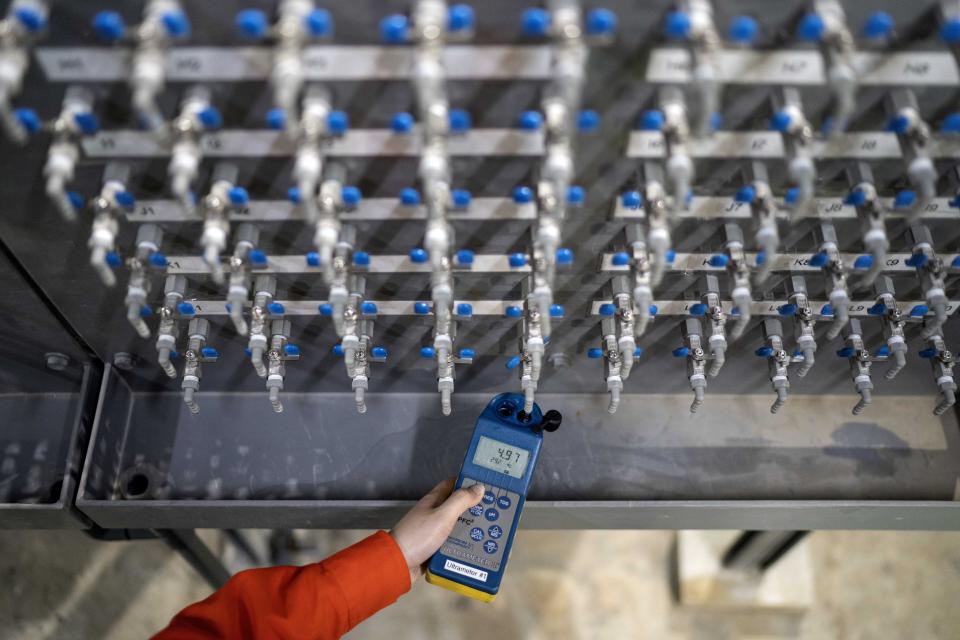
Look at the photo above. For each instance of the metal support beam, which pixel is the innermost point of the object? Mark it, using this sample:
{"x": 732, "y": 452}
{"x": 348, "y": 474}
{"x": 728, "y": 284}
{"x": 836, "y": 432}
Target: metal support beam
{"x": 756, "y": 551}
{"x": 194, "y": 551}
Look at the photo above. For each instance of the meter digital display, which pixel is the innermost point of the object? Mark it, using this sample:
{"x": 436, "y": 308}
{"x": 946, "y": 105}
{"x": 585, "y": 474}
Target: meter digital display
{"x": 501, "y": 457}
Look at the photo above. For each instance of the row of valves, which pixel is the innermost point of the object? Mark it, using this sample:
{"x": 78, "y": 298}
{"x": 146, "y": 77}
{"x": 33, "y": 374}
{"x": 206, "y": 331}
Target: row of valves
{"x": 299, "y": 22}
{"x": 324, "y": 199}
{"x": 705, "y": 339}
{"x": 320, "y": 192}
{"x": 622, "y": 321}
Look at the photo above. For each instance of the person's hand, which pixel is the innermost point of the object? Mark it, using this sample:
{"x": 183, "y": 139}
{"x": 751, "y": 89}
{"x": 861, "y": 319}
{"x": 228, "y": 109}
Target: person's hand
{"x": 425, "y": 527}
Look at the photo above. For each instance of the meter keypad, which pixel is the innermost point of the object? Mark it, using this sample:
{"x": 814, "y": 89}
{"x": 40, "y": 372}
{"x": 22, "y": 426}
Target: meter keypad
{"x": 477, "y": 538}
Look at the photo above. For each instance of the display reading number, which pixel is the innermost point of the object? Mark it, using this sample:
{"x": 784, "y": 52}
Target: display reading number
{"x": 508, "y": 455}
{"x": 501, "y": 457}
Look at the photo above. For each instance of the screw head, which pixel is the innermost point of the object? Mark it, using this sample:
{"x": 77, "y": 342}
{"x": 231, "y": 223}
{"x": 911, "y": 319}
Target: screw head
{"x": 123, "y": 360}
{"x": 56, "y": 361}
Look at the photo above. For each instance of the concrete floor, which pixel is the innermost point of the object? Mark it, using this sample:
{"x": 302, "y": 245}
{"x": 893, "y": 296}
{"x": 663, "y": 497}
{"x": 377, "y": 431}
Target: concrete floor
{"x": 570, "y": 584}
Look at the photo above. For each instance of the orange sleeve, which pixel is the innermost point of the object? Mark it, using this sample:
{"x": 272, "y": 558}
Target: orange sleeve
{"x": 323, "y": 600}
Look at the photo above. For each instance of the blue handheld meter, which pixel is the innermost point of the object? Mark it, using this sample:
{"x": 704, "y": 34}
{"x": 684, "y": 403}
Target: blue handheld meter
{"x": 502, "y": 455}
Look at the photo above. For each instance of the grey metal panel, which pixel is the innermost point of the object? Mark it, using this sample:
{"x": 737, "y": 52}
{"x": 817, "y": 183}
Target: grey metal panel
{"x": 42, "y": 441}
{"x": 731, "y": 466}
{"x": 692, "y": 514}
{"x": 152, "y": 463}
{"x": 45, "y": 414}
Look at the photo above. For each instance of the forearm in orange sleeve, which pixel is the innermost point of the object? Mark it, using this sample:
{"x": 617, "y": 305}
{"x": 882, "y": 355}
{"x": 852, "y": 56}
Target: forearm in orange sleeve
{"x": 323, "y": 600}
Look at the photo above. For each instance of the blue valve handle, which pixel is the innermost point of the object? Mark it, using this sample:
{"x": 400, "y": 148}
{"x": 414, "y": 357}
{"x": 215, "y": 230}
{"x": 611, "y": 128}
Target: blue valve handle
{"x": 461, "y": 198}
{"x": 819, "y": 259}
{"x": 719, "y": 260}
{"x": 535, "y": 22}
{"x": 631, "y": 199}
{"x": 460, "y": 17}
{"x": 601, "y": 22}
{"x": 464, "y": 257}
{"x": 402, "y": 122}
{"x": 917, "y": 260}
{"x": 681, "y": 352}
{"x": 113, "y": 259}
{"x": 522, "y": 195}
{"x": 652, "y": 120}
{"x": 588, "y": 121}
{"x": 257, "y": 258}
{"x": 855, "y": 198}
{"x": 746, "y": 193}
{"x": 530, "y": 121}
{"x": 765, "y": 351}
{"x": 846, "y": 352}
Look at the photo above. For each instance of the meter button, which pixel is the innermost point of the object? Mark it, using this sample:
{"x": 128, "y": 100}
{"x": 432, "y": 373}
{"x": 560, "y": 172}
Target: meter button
{"x": 495, "y": 531}
{"x": 492, "y": 515}
{"x": 477, "y": 510}
{"x": 490, "y": 546}
{"x": 488, "y": 497}
{"x": 504, "y": 502}
{"x": 477, "y": 534}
